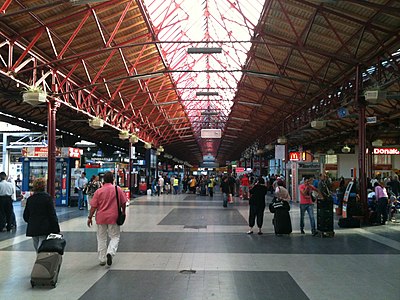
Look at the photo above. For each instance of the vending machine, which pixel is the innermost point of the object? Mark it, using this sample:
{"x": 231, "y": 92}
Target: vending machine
{"x": 35, "y": 164}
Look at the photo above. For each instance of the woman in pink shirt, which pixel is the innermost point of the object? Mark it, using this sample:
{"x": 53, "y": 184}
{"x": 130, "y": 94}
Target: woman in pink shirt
{"x": 104, "y": 204}
{"x": 381, "y": 197}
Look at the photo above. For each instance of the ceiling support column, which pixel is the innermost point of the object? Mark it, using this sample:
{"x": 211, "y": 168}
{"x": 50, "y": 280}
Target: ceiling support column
{"x": 51, "y": 136}
{"x": 361, "y": 146}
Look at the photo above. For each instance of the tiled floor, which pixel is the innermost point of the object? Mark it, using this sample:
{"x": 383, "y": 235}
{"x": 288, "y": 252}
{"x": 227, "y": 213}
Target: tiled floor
{"x": 190, "y": 247}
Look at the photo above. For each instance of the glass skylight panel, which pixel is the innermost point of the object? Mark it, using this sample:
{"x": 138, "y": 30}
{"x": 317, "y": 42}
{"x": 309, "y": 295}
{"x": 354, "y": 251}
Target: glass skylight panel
{"x": 205, "y": 23}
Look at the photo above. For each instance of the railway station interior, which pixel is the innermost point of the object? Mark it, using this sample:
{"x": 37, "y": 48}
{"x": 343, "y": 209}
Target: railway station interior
{"x": 287, "y": 89}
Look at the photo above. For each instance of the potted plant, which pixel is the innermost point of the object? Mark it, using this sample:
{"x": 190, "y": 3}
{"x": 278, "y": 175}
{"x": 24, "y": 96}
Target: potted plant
{"x": 34, "y": 95}
{"x": 96, "y": 123}
{"x": 123, "y": 134}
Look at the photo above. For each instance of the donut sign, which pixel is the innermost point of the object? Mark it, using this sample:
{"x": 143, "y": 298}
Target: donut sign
{"x": 386, "y": 151}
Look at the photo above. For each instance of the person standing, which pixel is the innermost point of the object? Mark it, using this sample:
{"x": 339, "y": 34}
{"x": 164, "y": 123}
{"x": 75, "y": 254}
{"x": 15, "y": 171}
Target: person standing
{"x": 394, "y": 185}
{"x": 245, "y": 183}
{"x": 6, "y": 202}
{"x": 40, "y": 214}
{"x": 104, "y": 204}
{"x": 81, "y": 184}
{"x": 306, "y": 204}
{"x": 257, "y": 205}
{"x": 160, "y": 185}
{"x": 281, "y": 193}
{"x": 211, "y": 183}
{"x": 381, "y": 197}
{"x": 175, "y": 184}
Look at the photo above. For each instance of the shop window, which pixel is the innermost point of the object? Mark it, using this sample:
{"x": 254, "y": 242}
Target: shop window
{"x": 331, "y": 159}
{"x": 382, "y": 159}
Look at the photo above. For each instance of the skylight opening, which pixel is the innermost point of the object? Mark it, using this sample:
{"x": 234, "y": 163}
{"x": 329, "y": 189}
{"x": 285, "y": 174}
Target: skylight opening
{"x": 205, "y": 23}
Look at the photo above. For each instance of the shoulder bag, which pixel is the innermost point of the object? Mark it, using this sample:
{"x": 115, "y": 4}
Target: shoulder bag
{"x": 121, "y": 215}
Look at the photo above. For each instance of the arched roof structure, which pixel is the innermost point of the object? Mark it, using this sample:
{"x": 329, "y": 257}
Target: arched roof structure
{"x": 165, "y": 70}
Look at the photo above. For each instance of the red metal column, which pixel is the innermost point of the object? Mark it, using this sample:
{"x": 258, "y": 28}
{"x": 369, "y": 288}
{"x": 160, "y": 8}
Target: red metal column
{"x": 130, "y": 171}
{"x": 361, "y": 146}
{"x": 51, "y": 136}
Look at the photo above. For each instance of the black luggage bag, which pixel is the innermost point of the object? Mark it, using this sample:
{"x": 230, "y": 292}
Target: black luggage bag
{"x": 349, "y": 223}
{"x": 46, "y": 269}
{"x": 48, "y": 261}
{"x": 325, "y": 217}
{"x": 281, "y": 221}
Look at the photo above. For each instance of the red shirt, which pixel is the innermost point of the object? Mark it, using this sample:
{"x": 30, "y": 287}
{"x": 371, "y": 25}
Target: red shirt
{"x": 305, "y": 199}
{"x": 104, "y": 199}
{"x": 245, "y": 181}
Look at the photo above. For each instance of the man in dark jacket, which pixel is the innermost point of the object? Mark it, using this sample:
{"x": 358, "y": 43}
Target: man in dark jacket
{"x": 225, "y": 189}
{"x": 257, "y": 205}
{"x": 40, "y": 214}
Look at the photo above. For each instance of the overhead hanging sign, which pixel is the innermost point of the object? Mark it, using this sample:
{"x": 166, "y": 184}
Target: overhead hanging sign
{"x": 371, "y": 120}
{"x": 279, "y": 151}
{"x": 210, "y": 133}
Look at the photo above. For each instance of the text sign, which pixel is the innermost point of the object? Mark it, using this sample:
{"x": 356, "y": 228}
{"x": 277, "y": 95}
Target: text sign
{"x": 294, "y": 156}
{"x": 388, "y": 151}
{"x": 371, "y": 120}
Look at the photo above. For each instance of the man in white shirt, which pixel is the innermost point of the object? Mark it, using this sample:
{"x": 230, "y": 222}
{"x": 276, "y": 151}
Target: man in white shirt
{"x": 6, "y": 206}
{"x": 81, "y": 184}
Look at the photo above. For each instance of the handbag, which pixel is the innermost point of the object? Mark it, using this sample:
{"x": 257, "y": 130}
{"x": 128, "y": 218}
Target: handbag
{"x": 53, "y": 243}
{"x": 314, "y": 196}
{"x": 121, "y": 216}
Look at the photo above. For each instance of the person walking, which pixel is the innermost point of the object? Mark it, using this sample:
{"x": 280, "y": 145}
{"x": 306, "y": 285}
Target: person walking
{"x": 306, "y": 204}
{"x": 257, "y": 205}
{"x": 225, "y": 189}
{"x": 81, "y": 184}
{"x": 104, "y": 204}
{"x": 6, "y": 202}
{"x": 40, "y": 214}
{"x": 381, "y": 197}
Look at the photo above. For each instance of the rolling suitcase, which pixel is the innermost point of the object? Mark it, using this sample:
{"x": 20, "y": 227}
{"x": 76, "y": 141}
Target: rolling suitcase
{"x": 48, "y": 261}
{"x": 281, "y": 221}
{"x": 46, "y": 269}
{"x": 325, "y": 218}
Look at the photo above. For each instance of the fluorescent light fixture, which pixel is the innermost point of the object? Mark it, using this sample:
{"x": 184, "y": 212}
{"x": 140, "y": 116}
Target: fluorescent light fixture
{"x": 209, "y": 113}
{"x": 250, "y": 103}
{"x": 186, "y": 136}
{"x": 177, "y": 118}
{"x": 207, "y": 93}
{"x": 182, "y": 128}
{"x": 78, "y": 2}
{"x": 234, "y": 128}
{"x": 230, "y": 136}
{"x": 262, "y": 75}
{"x": 240, "y": 119}
{"x": 145, "y": 76}
{"x": 204, "y": 50}
{"x": 165, "y": 103}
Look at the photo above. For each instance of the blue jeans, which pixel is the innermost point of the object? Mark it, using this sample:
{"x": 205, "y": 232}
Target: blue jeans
{"x": 225, "y": 199}
{"x": 81, "y": 199}
{"x": 310, "y": 210}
